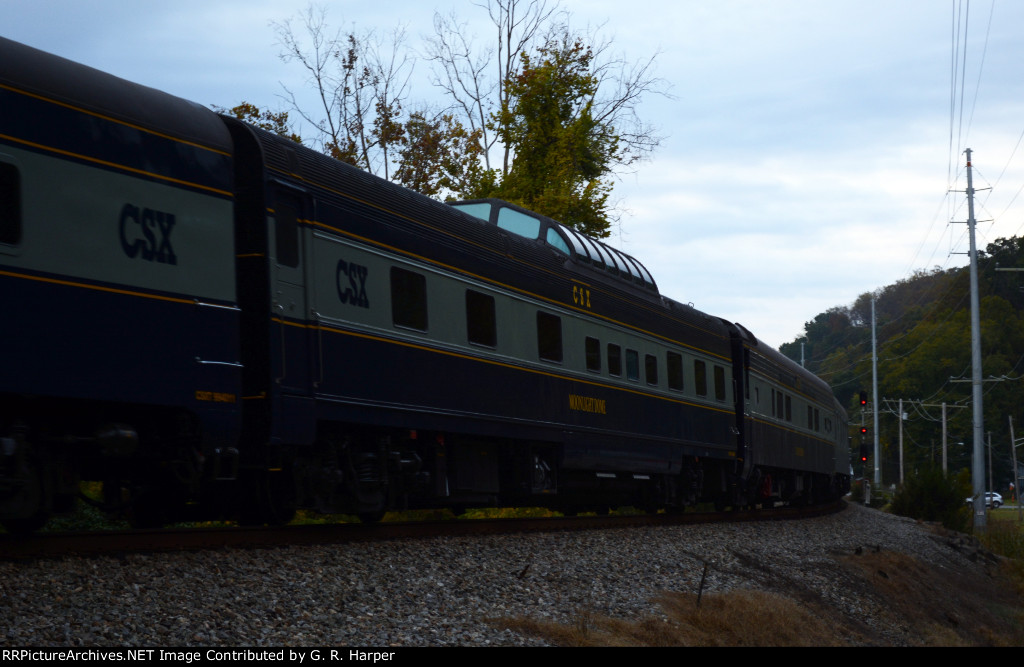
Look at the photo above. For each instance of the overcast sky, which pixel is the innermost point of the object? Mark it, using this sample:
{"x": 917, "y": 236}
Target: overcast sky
{"x": 810, "y": 144}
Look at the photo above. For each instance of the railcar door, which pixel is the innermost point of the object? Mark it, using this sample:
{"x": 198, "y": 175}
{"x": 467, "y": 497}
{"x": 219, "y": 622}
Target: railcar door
{"x": 291, "y": 334}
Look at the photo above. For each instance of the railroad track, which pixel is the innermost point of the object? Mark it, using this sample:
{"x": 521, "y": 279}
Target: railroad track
{"x": 114, "y": 542}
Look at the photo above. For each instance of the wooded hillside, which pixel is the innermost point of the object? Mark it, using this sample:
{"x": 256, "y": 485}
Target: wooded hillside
{"x": 924, "y": 346}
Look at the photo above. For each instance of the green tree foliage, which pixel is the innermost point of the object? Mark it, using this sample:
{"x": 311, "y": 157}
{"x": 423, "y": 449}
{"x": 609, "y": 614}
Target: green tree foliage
{"x": 272, "y": 121}
{"x": 439, "y": 155}
{"x": 563, "y": 154}
{"x": 931, "y": 495}
{"x": 558, "y": 108}
{"x": 924, "y": 356}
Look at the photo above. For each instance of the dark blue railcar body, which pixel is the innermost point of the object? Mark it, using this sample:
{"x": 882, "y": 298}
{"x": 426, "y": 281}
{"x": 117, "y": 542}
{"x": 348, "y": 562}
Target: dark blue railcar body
{"x": 207, "y": 315}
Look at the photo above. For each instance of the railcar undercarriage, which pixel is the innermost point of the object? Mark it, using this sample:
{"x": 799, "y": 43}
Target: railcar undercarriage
{"x": 153, "y": 473}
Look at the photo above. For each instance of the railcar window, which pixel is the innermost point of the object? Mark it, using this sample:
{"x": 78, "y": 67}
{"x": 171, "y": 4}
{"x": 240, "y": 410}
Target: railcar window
{"x": 817, "y": 420}
{"x": 616, "y": 257}
{"x": 633, "y": 365}
{"x": 647, "y": 274}
{"x": 286, "y": 232}
{"x": 556, "y": 241}
{"x": 632, "y": 265}
{"x": 549, "y": 337}
{"x": 614, "y": 359}
{"x": 810, "y": 417}
{"x": 675, "y": 370}
{"x": 10, "y": 204}
{"x": 602, "y": 256}
{"x": 518, "y": 223}
{"x": 408, "y": 299}
{"x": 719, "y": 383}
{"x": 593, "y": 350}
{"x": 789, "y": 408}
{"x": 577, "y": 244}
{"x": 700, "y": 377}
{"x": 779, "y": 411}
{"x": 481, "y": 326}
{"x": 482, "y": 211}
{"x": 651, "y": 369}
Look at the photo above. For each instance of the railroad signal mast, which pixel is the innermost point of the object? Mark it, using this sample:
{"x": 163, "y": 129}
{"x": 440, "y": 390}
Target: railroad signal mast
{"x": 865, "y": 450}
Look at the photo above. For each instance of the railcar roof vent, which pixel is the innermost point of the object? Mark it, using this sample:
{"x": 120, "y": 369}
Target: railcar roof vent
{"x": 582, "y": 248}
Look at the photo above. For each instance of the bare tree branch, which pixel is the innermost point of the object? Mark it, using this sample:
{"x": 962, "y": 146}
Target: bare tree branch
{"x": 361, "y": 82}
{"x": 469, "y": 147}
{"x": 460, "y": 70}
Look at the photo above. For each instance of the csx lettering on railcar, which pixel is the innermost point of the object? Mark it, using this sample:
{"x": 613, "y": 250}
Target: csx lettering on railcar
{"x": 354, "y": 291}
{"x": 138, "y": 228}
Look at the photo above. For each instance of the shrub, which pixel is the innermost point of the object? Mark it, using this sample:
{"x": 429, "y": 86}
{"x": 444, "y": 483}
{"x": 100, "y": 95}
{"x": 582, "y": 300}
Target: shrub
{"x": 931, "y": 495}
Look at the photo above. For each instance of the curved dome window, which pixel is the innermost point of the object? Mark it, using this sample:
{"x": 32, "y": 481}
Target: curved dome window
{"x": 518, "y": 223}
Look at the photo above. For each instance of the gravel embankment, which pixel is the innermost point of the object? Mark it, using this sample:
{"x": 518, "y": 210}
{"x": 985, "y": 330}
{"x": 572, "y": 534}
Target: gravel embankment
{"x": 436, "y": 592}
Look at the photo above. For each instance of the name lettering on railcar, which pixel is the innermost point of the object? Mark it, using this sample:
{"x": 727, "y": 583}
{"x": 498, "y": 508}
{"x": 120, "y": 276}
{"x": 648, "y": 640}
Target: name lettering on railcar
{"x": 353, "y": 290}
{"x": 588, "y": 404}
{"x": 581, "y": 296}
{"x": 138, "y": 229}
{"x": 215, "y": 396}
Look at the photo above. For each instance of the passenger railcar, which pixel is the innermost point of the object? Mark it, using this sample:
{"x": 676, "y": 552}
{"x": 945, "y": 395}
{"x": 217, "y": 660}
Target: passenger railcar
{"x": 216, "y": 321}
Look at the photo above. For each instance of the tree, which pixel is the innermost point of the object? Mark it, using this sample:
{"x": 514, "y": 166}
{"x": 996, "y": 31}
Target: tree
{"x": 360, "y": 83}
{"x": 924, "y": 356}
{"x": 557, "y": 159}
{"x": 562, "y": 153}
{"x": 483, "y": 86}
{"x": 439, "y": 155}
{"x": 271, "y": 121}
{"x": 461, "y": 70}
{"x": 931, "y": 495}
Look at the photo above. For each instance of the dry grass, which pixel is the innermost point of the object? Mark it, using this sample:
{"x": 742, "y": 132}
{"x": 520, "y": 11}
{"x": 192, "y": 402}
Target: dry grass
{"x": 897, "y": 601}
{"x": 740, "y": 618}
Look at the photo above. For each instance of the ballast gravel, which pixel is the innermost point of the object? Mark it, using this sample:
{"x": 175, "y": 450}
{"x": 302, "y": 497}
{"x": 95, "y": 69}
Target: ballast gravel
{"x": 432, "y": 592}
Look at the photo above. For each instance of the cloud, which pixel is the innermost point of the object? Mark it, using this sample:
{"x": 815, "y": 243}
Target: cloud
{"x": 809, "y": 150}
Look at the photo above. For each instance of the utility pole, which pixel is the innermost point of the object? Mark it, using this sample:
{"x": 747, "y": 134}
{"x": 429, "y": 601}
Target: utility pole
{"x": 1016, "y": 476}
{"x": 945, "y": 430}
{"x": 944, "y": 437}
{"x": 900, "y": 417}
{"x": 978, "y": 467}
{"x": 874, "y": 394}
{"x": 990, "y": 462}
